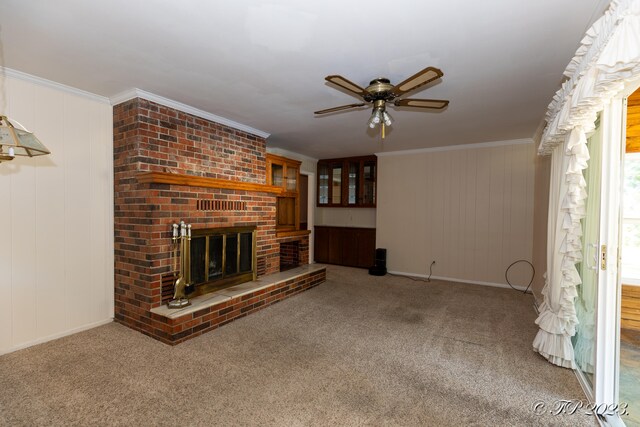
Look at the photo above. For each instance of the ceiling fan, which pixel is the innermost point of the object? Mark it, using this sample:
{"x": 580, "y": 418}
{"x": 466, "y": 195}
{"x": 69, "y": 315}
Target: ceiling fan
{"x": 380, "y": 91}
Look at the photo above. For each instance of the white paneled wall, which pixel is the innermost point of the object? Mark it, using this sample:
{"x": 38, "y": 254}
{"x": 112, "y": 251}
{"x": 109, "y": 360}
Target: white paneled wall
{"x": 470, "y": 210}
{"x": 56, "y": 249}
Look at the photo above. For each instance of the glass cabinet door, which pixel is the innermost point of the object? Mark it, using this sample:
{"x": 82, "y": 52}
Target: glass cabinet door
{"x": 369, "y": 188}
{"x": 292, "y": 179}
{"x": 336, "y": 185}
{"x": 276, "y": 174}
{"x": 323, "y": 184}
{"x": 354, "y": 183}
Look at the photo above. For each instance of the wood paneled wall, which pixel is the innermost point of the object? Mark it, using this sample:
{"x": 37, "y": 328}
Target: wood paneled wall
{"x": 630, "y": 309}
{"x": 630, "y": 304}
{"x": 470, "y": 210}
{"x": 56, "y": 250}
{"x": 633, "y": 123}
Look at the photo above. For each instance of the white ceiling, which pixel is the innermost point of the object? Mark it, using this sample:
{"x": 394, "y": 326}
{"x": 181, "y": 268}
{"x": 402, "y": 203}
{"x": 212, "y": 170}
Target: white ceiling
{"x": 263, "y": 63}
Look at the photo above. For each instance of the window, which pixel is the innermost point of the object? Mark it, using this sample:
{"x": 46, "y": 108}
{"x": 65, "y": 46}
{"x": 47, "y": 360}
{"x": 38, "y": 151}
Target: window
{"x": 631, "y": 220}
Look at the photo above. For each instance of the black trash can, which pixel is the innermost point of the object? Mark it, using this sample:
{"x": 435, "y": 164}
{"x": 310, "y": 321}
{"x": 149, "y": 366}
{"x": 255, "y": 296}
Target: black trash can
{"x": 380, "y": 267}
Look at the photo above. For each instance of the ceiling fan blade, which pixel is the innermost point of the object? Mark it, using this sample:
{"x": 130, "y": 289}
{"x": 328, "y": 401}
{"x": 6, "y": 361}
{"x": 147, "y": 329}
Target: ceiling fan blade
{"x": 421, "y": 78}
{"x": 437, "y": 104}
{"x": 346, "y": 84}
{"x": 342, "y": 107}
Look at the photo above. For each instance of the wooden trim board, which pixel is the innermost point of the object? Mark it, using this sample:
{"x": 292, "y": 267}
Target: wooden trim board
{"x": 199, "y": 181}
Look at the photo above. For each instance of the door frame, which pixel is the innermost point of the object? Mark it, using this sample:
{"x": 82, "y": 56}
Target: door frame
{"x": 608, "y": 304}
{"x": 311, "y": 210}
{"x": 606, "y": 384}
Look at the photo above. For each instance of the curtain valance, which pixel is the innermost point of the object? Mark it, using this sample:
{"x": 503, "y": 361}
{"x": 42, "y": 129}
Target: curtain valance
{"x": 608, "y": 58}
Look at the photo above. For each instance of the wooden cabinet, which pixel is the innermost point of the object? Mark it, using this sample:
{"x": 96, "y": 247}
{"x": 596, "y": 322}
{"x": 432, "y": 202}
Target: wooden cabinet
{"x": 347, "y": 182}
{"x": 349, "y": 246}
{"x": 285, "y": 173}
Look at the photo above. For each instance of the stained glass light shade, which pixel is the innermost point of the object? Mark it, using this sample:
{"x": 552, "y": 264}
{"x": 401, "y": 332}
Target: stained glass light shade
{"x": 18, "y": 142}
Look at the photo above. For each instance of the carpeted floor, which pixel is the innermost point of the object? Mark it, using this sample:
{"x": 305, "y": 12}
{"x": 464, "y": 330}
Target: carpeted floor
{"x": 356, "y": 350}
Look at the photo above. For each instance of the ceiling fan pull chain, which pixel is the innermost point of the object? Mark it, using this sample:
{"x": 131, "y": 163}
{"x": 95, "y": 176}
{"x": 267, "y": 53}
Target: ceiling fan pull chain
{"x": 382, "y": 130}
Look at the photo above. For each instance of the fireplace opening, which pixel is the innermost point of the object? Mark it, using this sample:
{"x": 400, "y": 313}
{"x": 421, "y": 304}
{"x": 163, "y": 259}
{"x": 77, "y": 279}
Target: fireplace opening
{"x": 289, "y": 255}
{"x": 222, "y": 257}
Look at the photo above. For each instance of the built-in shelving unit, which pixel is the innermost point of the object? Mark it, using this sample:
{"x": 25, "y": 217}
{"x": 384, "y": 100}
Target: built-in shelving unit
{"x": 284, "y": 174}
{"x": 347, "y": 182}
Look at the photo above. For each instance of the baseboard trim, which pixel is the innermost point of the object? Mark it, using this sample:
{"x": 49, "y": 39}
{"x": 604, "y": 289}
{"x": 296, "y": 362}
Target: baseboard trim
{"x": 55, "y": 336}
{"x": 452, "y": 279}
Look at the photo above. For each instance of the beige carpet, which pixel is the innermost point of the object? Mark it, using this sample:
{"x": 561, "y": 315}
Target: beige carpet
{"x": 356, "y": 350}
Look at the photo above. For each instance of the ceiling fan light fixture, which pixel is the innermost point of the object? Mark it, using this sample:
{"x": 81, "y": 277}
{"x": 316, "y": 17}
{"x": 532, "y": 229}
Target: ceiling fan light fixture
{"x": 387, "y": 118}
{"x": 377, "y": 116}
{"x": 371, "y": 123}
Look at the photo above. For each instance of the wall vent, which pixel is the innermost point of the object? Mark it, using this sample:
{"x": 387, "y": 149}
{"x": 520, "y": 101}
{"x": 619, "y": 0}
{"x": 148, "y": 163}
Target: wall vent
{"x": 220, "y": 205}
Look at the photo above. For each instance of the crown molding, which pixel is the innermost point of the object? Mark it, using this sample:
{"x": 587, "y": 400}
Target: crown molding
{"x": 458, "y": 147}
{"x": 9, "y": 72}
{"x": 288, "y": 153}
{"x": 139, "y": 93}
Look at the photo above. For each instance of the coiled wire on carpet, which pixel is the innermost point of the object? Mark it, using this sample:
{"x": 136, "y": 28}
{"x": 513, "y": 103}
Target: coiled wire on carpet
{"x": 416, "y": 279}
{"x": 533, "y": 274}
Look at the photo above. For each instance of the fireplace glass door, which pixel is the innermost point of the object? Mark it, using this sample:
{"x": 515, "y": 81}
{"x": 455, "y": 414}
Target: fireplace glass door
{"x": 216, "y": 248}
{"x": 221, "y": 258}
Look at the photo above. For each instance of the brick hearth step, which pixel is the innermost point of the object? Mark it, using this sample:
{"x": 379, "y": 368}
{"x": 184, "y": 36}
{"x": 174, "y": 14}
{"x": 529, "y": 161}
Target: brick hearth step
{"x": 215, "y": 309}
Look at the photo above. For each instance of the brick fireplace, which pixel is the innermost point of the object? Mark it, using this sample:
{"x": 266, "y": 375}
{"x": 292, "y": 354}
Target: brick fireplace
{"x": 171, "y": 166}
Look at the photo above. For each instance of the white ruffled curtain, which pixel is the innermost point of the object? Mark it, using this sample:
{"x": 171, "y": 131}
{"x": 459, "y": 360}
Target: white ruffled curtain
{"x": 607, "y": 60}
{"x": 557, "y": 319}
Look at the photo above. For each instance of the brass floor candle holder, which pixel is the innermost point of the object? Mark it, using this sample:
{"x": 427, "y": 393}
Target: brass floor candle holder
{"x": 181, "y": 238}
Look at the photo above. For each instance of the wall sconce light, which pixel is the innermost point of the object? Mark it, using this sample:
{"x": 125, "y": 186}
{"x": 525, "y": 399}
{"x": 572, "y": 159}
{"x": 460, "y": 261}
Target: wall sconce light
{"x": 18, "y": 142}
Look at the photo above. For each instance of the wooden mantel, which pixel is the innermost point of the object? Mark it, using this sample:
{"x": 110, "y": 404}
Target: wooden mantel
{"x": 199, "y": 181}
